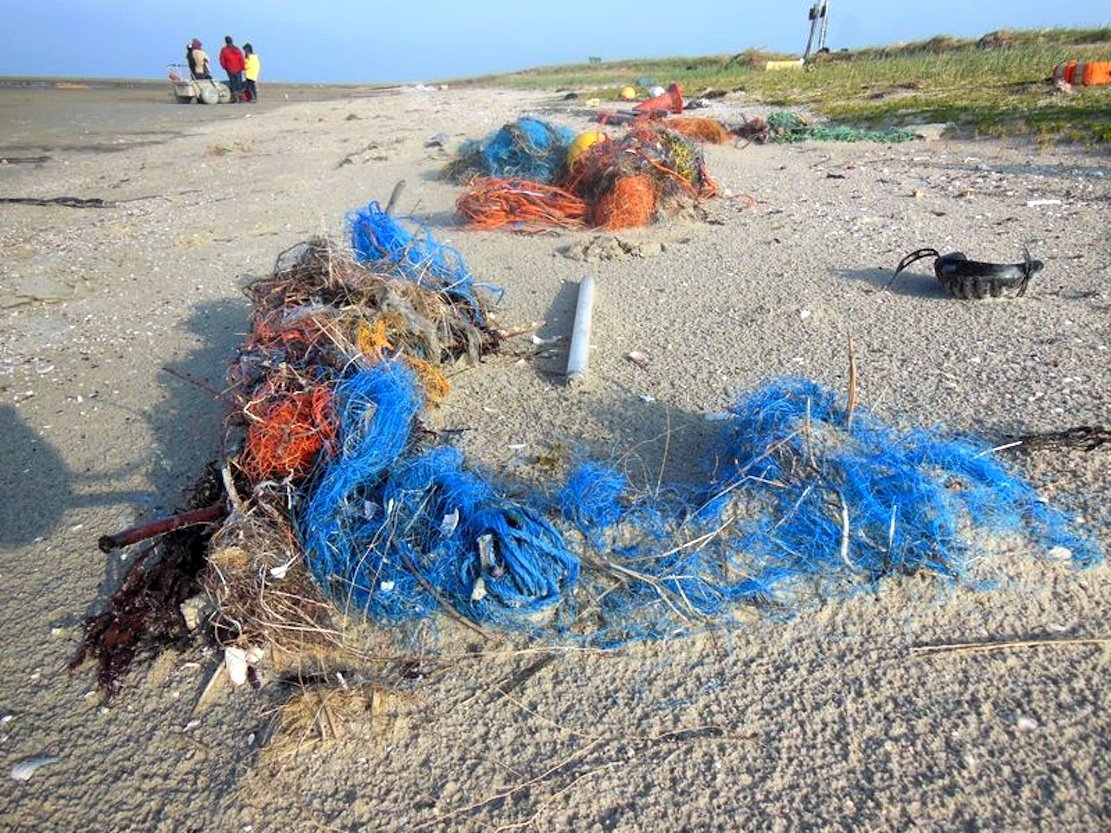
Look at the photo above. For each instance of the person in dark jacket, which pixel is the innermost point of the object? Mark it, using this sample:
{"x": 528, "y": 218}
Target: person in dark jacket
{"x": 231, "y": 59}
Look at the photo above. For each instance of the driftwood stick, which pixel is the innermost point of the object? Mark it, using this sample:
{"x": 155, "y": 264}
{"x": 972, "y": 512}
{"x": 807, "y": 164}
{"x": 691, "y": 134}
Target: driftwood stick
{"x": 1084, "y": 437}
{"x": 395, "y": 195}
{"x": 513, "y": 332}
{"x": 204, "y": 515}
{"x": 851, "y": 406}
{"x": 193, "y": 380}
{"x": 983, "y": 647}
{"x": 69, "y": 202}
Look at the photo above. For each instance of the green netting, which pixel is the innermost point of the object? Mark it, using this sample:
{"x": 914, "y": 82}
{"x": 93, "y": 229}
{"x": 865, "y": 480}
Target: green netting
{"x": 784, "y": 126}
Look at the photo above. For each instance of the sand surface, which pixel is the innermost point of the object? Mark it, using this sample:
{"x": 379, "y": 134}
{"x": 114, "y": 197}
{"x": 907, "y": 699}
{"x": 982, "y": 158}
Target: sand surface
{"x": 828, "y": 721}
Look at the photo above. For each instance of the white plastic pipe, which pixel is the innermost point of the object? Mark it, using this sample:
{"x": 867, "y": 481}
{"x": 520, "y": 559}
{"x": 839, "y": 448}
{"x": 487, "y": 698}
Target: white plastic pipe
{"x": 579, "y": 356}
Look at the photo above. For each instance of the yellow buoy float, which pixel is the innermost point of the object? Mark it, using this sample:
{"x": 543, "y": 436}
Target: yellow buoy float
{"x": 582, "y": 142}
{"x": 627, "y": 94}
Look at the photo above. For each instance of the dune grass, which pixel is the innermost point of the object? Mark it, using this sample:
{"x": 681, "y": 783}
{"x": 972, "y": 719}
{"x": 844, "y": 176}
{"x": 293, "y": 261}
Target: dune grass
{"x": 998, "y": 85}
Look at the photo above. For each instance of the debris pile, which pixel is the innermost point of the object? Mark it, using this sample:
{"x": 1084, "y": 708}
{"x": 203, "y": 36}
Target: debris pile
{"x": 808, "y": 496}
{"x": 607, "y": 183}
{"x": 327, "y": 315}
{"x": 527, "y": 148}
{"x": 339, "y": 502}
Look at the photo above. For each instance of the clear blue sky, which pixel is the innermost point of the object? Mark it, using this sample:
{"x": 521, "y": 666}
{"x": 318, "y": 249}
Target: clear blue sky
{"x": 411, "y": 40}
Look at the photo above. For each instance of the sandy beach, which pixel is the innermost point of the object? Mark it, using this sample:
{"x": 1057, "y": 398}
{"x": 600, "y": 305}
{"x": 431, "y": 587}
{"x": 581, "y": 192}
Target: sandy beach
{"x": 828, "y": 721}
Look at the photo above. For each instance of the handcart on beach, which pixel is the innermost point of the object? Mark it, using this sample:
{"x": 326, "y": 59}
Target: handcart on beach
{"x": 190, "y": 90}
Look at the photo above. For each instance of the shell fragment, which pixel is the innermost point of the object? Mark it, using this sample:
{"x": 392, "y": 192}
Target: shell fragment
{"x": 23, "y": 770}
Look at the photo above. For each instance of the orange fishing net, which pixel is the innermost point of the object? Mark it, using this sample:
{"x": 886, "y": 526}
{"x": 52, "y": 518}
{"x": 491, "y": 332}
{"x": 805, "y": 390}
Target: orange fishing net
{"x": 675, "y": 165}
{"x": 275, "y": 328}
{"x": 630, "y": 202}
{"x": 527, "y": 206}
{"x": 435, "y": 383}
{"x": 699, "y": 129}
{"x": 288, "y": 430}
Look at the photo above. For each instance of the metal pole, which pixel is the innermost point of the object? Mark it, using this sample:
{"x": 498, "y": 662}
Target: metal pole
{"x": 813, "y": 29}
{"x": 825, "y": 27}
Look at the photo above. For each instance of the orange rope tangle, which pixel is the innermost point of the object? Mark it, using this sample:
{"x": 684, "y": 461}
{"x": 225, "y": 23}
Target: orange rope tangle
{"x": 285, "y": 438}
{"x": 527, "y": 206}
{"x": 630, "y": 202}
{"x": 698, "y": 129}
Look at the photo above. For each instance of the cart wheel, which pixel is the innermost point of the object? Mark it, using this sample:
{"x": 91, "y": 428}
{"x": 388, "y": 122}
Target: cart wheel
{"x": 225, "y": 93}
{"x": 210, "y": 95}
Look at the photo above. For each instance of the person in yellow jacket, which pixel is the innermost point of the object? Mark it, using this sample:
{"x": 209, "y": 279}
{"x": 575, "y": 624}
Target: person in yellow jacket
{"x": 251, "y": 69}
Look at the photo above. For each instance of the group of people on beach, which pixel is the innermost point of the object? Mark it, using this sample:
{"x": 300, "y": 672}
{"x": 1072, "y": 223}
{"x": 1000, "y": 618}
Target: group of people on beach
{"x": 242, "y": 66}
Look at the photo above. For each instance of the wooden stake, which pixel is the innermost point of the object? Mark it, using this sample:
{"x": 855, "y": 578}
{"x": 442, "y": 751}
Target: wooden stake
{"x": 851, "y": 406}
{"x": 395, "y": 195}
{"x": 135, "y": 534}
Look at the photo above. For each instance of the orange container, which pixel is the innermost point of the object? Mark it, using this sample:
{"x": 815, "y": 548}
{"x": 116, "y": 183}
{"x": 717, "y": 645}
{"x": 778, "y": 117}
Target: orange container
{"x": 1065, "y": 72}
{"x": 1088, "y": 73}
{"x": 1093, "y": 73}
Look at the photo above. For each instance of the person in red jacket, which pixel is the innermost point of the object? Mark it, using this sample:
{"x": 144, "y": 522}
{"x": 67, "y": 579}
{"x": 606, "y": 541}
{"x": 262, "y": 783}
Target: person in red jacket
{"x": 231, "y": 59}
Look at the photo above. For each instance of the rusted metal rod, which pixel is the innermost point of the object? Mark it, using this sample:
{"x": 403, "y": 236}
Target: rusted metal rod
{"x": 135, "y": 534}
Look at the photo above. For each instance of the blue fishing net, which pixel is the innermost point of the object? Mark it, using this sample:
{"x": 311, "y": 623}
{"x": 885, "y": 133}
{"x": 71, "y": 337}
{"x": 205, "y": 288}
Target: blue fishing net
{"x": 380, "y": 240}
{"x": 527, "y": 148}
{"x": 811, "y": 500}
{"x": 395, "y": 531}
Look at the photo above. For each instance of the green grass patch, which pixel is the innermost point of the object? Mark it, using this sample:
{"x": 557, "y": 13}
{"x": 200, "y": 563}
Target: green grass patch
{"x": 995, "y": 86}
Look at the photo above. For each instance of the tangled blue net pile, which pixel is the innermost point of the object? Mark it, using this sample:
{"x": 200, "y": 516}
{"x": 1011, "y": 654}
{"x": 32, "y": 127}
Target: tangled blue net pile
{"x": 809, "y": 500}
{"x": 378, "y": 239}
{"x": 527, "y": 148}
{"x": 397, "y": 532}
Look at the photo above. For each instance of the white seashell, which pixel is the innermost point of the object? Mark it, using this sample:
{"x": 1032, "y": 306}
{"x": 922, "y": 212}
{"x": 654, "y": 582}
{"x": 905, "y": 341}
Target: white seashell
{"x": 193, "y": 610}
{"x": 804, "y": 314}
{"x": 386, "y": 586}
{"x": 486, "y": 550}
{"x": 254, "y": 654}
{"x": 639, "y": 358}
{"x": 279, "y": 572}
{"x": 478, "y": 592}
{"x": 1060, "y": 553}
{"x": 1026, "y": 724}
{"x": 23, "y": 770}
{"x": 235, "y": 663}
{"x": 449, "y": 522}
